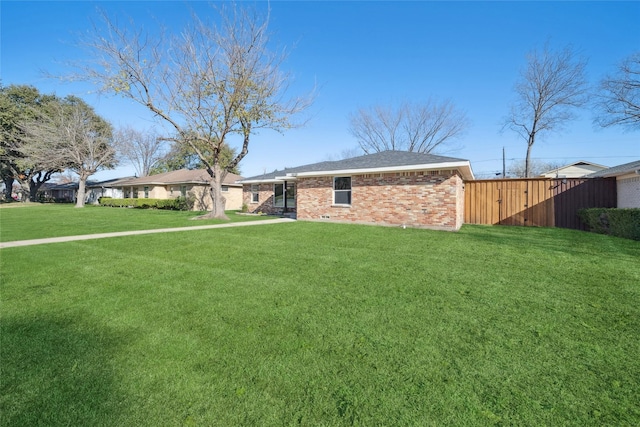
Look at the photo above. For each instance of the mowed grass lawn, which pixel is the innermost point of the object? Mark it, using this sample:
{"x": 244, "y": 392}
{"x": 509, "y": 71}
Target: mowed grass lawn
{"x": 323, "y": 324}
{"x": 24, "y": 221}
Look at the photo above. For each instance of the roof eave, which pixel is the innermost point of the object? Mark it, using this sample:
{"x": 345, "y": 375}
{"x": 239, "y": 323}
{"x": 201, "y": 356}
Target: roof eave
{"x": 464, "y": 167}
{"x": 260, "y": 181}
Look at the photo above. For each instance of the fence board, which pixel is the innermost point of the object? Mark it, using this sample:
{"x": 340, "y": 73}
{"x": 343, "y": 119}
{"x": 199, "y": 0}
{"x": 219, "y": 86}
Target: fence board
{"x": 544, "y": 202}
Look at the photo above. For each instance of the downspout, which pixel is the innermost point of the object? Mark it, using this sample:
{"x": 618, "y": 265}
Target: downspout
{"x": 284, "y": 195}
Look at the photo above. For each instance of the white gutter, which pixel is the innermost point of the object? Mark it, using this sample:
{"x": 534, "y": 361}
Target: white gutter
{"x": 260, "y": 181}
{"x": 464, "y": 168}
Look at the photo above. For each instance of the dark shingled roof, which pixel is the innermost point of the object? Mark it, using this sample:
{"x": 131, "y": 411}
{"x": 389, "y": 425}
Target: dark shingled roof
{"x": 368, "y": 161}
{"x": 617, "y": 170}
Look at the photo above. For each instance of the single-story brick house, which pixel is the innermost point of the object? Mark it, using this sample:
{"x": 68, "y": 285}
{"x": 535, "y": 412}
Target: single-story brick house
{"x": 627, "y": 182}
{"x": 183, "y": 182}
{"x": 387, "y": 188}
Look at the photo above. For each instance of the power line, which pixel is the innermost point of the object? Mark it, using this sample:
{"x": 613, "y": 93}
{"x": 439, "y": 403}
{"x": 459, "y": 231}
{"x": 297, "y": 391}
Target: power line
{"x": 559, "y": 158}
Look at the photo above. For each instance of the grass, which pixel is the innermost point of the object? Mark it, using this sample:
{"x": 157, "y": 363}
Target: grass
{"x": 35, "y": 221}
{"x": 323, "y": 325}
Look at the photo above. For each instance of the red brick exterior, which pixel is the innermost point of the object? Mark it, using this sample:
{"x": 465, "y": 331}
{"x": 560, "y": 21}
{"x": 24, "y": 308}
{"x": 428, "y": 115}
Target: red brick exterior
{"x": 426, "y": 199}
{"x": 265, "y": 200}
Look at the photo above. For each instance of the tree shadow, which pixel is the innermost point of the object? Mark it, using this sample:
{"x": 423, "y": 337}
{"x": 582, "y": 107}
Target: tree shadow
{"x": 58, "y": 371}
{"x": 552, "y": 240}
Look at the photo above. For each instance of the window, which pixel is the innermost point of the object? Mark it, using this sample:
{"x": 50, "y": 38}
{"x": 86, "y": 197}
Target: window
{"x": 255, "y": 193}
{"x": 342, "y": 190}
{"x": 183, "y": 190}
{"x": 146, "y": 192}
{"x": 291, "y": 194}
{"x": 279, "y": 195}
{"x": 135, "y": 192}
{"x": 225, "y": 188}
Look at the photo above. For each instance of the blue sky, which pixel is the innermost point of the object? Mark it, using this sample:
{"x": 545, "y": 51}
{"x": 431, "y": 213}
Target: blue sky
{"x": 364, "y": 53}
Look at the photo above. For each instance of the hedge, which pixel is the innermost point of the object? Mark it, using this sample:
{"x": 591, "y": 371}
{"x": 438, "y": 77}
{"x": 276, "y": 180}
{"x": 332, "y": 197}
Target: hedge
{"x": 615, "y": 222}
{"x": 177, "y": 204}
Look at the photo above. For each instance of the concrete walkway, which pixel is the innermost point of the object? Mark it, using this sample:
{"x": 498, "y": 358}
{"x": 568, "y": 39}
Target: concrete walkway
{"x": 136, "y": 232}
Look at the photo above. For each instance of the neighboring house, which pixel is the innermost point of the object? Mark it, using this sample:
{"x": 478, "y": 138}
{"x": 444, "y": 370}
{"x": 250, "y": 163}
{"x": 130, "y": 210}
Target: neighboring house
{"x": 67, "y": 192}
{"x": 574, "y": 170}
{"x": 183, "y": 182}
{"x": 627, "y": 182}
{"x": 108, "y": 188}
{"x": 54, "y": 192}
{"x": 387, "y": 188}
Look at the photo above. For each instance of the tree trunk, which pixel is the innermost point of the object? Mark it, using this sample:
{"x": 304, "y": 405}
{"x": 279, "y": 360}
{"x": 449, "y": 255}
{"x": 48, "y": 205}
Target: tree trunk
{"x": 8, "y": 187}
{"x": 82, "y": 183}
{"x": 218, "y": 201}
{"x": 34, "y": 186}
{"x": 527, "y": 160}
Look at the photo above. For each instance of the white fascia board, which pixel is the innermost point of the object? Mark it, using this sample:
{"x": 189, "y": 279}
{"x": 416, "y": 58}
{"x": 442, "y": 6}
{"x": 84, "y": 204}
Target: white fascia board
{"x": 287, "y": 177}
{"x": 464, "y": 167}
{"x": 260, "y": 181}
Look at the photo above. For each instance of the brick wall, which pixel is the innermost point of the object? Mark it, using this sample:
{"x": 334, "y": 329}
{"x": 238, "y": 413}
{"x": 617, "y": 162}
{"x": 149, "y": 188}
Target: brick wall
{"x": 265, "y": 200}
{"x": 430, "y": 199}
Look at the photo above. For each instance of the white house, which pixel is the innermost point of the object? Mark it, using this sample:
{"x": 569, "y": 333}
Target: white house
{"x": 574, "y": 170}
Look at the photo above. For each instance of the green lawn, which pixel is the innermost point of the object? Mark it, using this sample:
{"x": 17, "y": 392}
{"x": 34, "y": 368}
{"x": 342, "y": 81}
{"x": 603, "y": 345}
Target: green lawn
{"x": 36, "y": 221}
{"x": 321, "y": 324}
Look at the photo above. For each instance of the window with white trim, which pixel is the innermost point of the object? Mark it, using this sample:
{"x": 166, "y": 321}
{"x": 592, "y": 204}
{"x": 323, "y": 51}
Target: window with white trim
{"x": 342, "y": 190}
{"x": 255, "y": 193}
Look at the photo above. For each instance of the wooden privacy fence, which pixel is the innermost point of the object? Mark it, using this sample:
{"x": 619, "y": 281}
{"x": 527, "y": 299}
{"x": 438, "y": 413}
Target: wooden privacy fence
{"x": 541, "y": 202}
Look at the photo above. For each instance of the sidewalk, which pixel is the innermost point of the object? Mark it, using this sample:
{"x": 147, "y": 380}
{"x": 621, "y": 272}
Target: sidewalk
{"x": 136, "y": 232}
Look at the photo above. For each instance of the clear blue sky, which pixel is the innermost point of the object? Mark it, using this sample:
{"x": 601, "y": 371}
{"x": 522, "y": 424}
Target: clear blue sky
{"x": 363, "y": 53}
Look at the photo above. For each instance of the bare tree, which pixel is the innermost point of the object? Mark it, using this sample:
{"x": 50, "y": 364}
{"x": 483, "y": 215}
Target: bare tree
{"x": 182, "y": 156}
{"x": 212, "y": 83}
{"x": 349, "y": 153}
{"x": 421, "y": 128}
{"x": 619, "y": 98}
{"x": 551, "y": 86}
{"x": 143, "y": 149}
{"x": 518, "y": 168}
{"x": 73, "y": 137}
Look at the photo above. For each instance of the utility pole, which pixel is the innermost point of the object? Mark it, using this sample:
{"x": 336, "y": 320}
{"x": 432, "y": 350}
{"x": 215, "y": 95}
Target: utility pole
{"x": 504, "y": 168}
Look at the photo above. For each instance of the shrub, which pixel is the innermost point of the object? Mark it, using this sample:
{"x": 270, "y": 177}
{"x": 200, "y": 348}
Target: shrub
{"x": 178, "y": 204}
{"x": 615, "y": 222}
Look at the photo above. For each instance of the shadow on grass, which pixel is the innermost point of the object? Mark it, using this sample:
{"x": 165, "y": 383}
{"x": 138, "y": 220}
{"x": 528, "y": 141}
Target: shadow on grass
{"x": 553, "y": 240}
{"x": 57, "y": 372}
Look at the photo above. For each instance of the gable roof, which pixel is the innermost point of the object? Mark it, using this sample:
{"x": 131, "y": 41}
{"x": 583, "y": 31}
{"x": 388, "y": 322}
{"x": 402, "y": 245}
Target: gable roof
{"x": 89, "y": 184}
{"x": 384, "y": 161}
{"x": 623, "y": 169}
{"x": 109, "y": 182}
{"x": 182, "y": 176}
{"x": 59, "y": 186}
{"x": 579, "y": 163}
